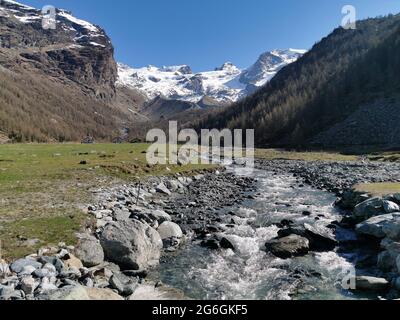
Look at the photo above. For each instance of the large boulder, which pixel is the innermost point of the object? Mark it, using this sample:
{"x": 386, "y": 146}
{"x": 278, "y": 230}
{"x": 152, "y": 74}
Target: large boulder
{"x": 392, "y": 230}
{"x": 89, "y": 251}
{"x": 170, "y": 233}
{"x": 159, "y": 215}
{"x": 375, "y": 226}
{"x": 288, "y": 247}
{"x": 320, "y": 238}
{"x": 20, "y": 264}
{"x": 364, "y": 283}
{"x": 131, "y": 244}
{"x": 390, "y": 206}
{"x": 369, "y": 208}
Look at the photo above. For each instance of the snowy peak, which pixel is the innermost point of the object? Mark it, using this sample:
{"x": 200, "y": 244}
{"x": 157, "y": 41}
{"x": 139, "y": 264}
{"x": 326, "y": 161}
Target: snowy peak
{"x": 228, "y": 67}
{"x": 225, "y": 84}
{"x": 268, "y": 65}
{"x": 82, "y": 32}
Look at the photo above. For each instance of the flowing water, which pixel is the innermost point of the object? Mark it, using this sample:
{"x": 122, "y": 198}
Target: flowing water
{"x": 249, "y": 272}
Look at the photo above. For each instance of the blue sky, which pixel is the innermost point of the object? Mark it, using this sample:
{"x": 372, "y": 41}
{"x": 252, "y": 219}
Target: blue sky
{"x": 206, "y": 33}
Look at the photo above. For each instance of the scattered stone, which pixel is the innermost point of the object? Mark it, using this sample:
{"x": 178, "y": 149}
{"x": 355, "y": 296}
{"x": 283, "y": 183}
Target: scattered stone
{"x": 73, "y": 262}
{"x": 161, "y": 188}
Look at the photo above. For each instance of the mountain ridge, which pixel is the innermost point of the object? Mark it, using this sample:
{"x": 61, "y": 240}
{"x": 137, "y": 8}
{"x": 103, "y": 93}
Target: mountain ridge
{"x": 225, "y": 84}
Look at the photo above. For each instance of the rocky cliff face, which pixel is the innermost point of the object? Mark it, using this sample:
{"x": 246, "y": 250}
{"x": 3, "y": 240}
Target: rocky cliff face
{"x": 76, "y": 49}
{"x": 56, "y": 84}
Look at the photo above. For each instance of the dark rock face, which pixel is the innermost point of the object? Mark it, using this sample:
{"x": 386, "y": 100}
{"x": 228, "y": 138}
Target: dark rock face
{"x": 76, "y": 49}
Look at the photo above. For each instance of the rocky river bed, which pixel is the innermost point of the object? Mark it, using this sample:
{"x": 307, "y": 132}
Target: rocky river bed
{"x": 278, "y": 232}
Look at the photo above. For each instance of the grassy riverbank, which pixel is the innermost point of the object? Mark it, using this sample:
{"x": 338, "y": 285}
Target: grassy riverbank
{"x": 44, "y": 188}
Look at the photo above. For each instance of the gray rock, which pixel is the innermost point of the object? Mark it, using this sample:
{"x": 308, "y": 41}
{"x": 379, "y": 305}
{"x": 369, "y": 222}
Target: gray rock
{"x": 319, "y": 238}
{"x": 72, "y": 273}
{"x": 288, "y": 247}
{"x": 170, "y": 233}
{"x": 169, "y": 229}
{"x": 19, "y": 265}
{"x": 390, "y": 207}
{"x": 46, "y": 285}
{"x": 121, "y": 215}
{"x": 161, "y": 188}
{"x": 173, "y": 185}
{"x": 364, "y": 283}
{"x": 66, "y": 293}
{"x": 9, "y": 293}
{"x": 375, "y": 225}
{"x": 392, "y": 230}
{"x": 41, "y": 273}
{"x": 88, "y": 282}
{"x": 4, "y": 269}
{"x": 124, "y": 285}
{"x": 50, "y": 267}
{"x": 159, "y": 215}
{"x": 131, "y": 244}
{"x": 27, "y": 271}
{"x": 28, "y": 285}
{"x": 369, "y": 208}
{"x": 89, "y": 251}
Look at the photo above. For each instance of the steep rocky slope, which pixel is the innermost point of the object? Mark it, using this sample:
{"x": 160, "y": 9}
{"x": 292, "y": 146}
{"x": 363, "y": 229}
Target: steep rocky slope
{"x": 55, "y": 84}
{"x": 341, "y": 94}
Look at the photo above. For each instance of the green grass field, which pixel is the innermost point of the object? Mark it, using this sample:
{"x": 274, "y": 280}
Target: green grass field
{"x": 378, "y": 189}
{"x": 273, "y": 154}
{"x": 44, "y": 188}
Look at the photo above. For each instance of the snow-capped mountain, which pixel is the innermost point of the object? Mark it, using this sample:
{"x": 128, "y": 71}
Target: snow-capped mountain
{"x": 80, "y": 31}
{"x": 227, "y": 83}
